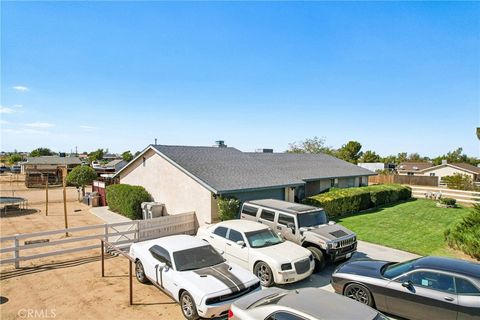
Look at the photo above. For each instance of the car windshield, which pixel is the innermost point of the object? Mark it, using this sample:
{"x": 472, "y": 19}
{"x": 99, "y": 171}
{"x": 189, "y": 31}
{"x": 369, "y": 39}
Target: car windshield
{"x": 393, "y": 270}
{"x": 312, "y": 219}
{"x": 263, "y": 238}
{"x": 196, "y": 258}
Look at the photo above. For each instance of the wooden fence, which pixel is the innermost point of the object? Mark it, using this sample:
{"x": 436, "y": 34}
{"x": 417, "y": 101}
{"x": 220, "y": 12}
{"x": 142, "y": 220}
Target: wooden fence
{"x": 466, "y": 197}
{"x": 122, "y": 233}
{"x": 410, "y": 180}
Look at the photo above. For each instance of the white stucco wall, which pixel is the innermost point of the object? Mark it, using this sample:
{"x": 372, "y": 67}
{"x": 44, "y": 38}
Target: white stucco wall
{"x": 443, "y": 171}
{"x": 169, "y": 185}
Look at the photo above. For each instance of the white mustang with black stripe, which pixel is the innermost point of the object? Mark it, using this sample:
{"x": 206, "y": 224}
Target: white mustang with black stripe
{"x": 193, "y": 274}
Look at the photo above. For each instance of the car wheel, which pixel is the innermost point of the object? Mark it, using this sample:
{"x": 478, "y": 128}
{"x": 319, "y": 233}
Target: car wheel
{"x": 187, "y": 304}
{"x": 360, "y": 293}
{"x": 264, "y": 274}
{"x": 319, "y": 258}
{"x": 140, "y": 273}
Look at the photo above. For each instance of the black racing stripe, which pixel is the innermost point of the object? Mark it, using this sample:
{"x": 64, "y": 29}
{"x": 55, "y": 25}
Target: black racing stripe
{"x": 225, "y": 269}
{"x": 220, "y": 277}
{"x": 221, "y": 273}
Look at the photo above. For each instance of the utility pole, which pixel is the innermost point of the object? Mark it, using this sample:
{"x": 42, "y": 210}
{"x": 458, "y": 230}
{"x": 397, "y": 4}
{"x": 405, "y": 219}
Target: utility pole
{"x": 64, "y": 178}
{"x": 46, "y": 196}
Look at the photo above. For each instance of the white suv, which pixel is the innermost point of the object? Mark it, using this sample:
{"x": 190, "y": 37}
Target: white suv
{"x": 259, "y": 249}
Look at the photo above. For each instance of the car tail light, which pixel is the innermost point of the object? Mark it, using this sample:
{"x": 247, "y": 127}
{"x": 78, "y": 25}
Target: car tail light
{"x": 230, "y": 314}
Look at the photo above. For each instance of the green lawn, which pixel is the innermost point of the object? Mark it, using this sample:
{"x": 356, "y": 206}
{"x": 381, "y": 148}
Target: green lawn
{"x": 416, "y": 226}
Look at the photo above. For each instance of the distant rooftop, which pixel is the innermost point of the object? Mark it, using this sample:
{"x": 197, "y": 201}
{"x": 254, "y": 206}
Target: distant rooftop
{"x": 54, "y": 160}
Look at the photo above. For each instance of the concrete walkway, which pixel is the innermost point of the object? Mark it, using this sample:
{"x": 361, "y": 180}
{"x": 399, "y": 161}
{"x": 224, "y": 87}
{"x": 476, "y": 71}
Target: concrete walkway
{"x": 108, "y": 216}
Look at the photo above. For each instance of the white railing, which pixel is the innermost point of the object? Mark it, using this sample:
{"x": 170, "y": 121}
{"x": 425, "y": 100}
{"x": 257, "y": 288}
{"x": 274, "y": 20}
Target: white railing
{"x": 116, "y": 233}
{"x": 469, "y": 197}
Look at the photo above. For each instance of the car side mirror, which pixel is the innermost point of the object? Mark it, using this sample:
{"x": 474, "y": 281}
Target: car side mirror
{"x": 241, "y": 243}
{"x": 291, "y": 226}
{"x": 407, "y": 284}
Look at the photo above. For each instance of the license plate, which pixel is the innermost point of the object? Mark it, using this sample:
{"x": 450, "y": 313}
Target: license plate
{"x": 348, "y": 255}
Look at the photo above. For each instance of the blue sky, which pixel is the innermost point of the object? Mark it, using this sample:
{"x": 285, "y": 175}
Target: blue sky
{"x": 395, "y": 76}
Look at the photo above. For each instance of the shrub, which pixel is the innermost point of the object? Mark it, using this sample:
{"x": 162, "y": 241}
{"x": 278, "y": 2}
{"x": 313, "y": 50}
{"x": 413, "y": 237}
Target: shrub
{"x": 341, "y": 201}
{"x": 126, "y": 199}
{"x": 80, "y": 176}
{"x": 448, "y": 201}
{"x": 227, "y": 208}
{"x": 465, "y": 234}
{"x": 459, "y": 181}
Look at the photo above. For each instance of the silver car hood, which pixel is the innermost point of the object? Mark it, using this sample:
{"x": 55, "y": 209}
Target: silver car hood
{"x": 331, "y": 232}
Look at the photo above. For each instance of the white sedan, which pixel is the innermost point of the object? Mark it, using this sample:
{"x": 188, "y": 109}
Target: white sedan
{"x": 192, "y": 273}
{"x": 259, "y": 249}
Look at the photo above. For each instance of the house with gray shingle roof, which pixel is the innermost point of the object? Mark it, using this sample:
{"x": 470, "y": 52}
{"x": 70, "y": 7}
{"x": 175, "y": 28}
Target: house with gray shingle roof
{"x": 187, "y": 178}
{"x": 38, "y": 169}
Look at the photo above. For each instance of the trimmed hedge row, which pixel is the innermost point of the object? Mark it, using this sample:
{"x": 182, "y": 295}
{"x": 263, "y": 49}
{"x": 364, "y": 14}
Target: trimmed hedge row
{"x": 465, "y": 234}
{"x": 340, "y": 201}
{"x": 126, "y": 199}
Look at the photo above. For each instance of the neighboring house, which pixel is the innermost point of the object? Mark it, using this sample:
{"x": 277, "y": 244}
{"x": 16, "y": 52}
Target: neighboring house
{"x": 413, "y": 168}
{"x": 111, "y": 156}
{"x": 37, "y": 169}
{"x": 449, "y": 169}
{"x": 191, "y": 178}
{"x": 442, "y": 170}
{"x": 116, "y": 165}
{"x": 376, "y": 166}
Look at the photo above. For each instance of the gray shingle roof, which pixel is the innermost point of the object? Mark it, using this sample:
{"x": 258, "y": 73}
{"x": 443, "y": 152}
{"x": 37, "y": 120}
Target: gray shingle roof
{"x": 229, "y": 169}
{"x": 55, "y": 160}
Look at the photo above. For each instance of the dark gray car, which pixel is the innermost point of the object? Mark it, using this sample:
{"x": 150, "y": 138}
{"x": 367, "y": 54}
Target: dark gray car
{"x": 303, "y": 304}
{"x": 423, "y": 288}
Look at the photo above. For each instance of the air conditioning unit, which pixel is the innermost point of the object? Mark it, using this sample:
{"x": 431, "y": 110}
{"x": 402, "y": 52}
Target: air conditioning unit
{"x": 152, "y": 210}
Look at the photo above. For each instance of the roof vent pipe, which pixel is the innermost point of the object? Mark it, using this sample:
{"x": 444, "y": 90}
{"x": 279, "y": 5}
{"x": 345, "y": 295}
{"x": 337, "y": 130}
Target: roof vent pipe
{"x": 220, "y": 144}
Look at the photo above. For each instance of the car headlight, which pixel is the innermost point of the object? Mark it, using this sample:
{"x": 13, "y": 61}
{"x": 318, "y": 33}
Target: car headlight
{"x": 286, "y": 266}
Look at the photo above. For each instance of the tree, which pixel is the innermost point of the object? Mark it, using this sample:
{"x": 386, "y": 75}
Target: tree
{"x": 136, "y": 154}
{"x": 459, "y": 181}
{"x": 390, "y": 159}
{"x": 127, "y": 156}
{"x": 416, "y": 157}
{"x": 227, "y": 208}
{"x": 313, "y": 145}
{"x": 350, "y": 151}
{"x": 454, "y": 156}
{"x": 80, "y": 176}
{"x": 14, "y": 158}
{"x": 370, "y": 156}
{"x": 40, "y": 152}
{"x": 401, "y": 157}
{"x": 96, "y": 155}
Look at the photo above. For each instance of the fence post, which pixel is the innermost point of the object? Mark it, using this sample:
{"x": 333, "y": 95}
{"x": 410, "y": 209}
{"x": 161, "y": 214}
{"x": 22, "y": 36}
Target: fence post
{"x": 106, "y": 233}
{"x": 17, "y": 252}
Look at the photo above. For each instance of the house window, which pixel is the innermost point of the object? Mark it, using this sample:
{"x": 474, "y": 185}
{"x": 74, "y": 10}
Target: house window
{"x": 334, "y": 183}
{"x": 410, "y": 173}
{"x": 432, "y": 174}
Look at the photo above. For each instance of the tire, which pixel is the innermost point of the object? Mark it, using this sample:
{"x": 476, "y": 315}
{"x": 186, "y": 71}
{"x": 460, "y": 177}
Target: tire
{"x": 359, "y": 293}
{"x": 187, "y": 304}
{"x": 264, "y": 274}
{"x": 140, "y": 273}
{"x": 319, "y": 258}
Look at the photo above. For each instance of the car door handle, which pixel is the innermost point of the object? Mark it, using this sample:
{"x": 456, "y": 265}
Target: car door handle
{"x": 211, "y": 237}
{"x": 259, "y": 221}
{"x": 448, "y": 298}
{"x": 279, "y": 228}
{"x": 229, "y": 244}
